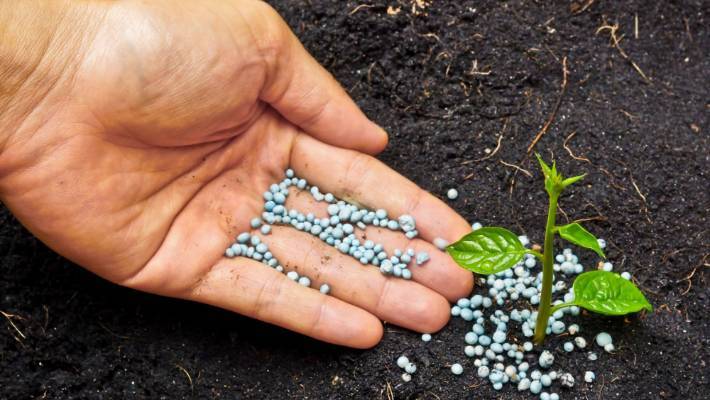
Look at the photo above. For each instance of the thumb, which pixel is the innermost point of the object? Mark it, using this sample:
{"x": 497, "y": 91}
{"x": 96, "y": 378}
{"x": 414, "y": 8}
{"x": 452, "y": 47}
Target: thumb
{"x": 307, "y": 95}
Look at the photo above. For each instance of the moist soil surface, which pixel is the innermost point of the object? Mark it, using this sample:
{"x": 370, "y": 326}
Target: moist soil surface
{"x": 462, "y": 88}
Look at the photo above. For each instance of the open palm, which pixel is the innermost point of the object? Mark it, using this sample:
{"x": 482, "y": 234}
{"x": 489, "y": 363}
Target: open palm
{"x": 152, "y": 149}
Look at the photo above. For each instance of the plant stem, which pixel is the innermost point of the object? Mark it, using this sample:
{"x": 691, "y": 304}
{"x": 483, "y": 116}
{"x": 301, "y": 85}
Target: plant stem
{"x": 543, "y": 313}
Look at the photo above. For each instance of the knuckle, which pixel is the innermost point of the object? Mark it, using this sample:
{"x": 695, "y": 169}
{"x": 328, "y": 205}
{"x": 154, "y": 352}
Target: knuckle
{"x": 319, "y": 312}
{"x": 356, "y": 173}
{"x": 413, "y": 201}
{"x": 267, "y": 296}
{"x": 270, "y": 33}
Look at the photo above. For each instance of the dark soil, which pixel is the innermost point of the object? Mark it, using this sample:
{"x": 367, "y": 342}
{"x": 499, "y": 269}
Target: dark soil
{"x": 446, "y": 81}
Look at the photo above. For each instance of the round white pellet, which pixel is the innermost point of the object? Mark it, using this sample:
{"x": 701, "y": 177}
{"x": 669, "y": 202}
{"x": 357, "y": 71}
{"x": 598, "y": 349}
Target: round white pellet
{"x": 589, "y": 377}
{"x": 452, "y": 194}
{"x": 603, "y": 339}
{"x": 457, "y": 369}
{"x": 440, "y": 243}
{"x": 580, "y": 342}
{"x": 410, "y": 368}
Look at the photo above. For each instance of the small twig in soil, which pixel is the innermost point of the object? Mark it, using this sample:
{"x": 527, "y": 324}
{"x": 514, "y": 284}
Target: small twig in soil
{"x": 672, "y": 253}
{"x": 46, "y": 319}
{"x": 599, "y": 212}
{"x": 552, "y": 53}
{"x": 433, "y": 394}
{"x": 526, "y": 172}
{"x": 644, "y": 206}
{"x": 187, "y": 374}
{"x": 687, "y": 28}
{"x": 628, "y": 114}
{"x": 469, "y": 176}
{"x": 554, "y": 109}
{"x": 430, "y": 35}
{"x": 644, "y": 287}
{"x": 390, "y": 393}
{"x": 601, "y": 389}
{"x": 9, "y": 318}
{"x": 615, "y": 41}
{"x": 636, "y": 26}
{"x": 597, "y": 218}
{"x": 688, "y": 278}
{"x": 611, "y": 179}
{"x": 475, "y": 71}
{"x": 577, "y": 9}
{"x": 637, "y": 189}
{"x": 111, "y": 332}
{"x": 564, "y": 214}
{"x": 644, "y": 209}
{"x": 360, "y": 7}
{"x": 465, "y": 88}
{"x": 564, "y": 144}
{"x": 500, "y": 138}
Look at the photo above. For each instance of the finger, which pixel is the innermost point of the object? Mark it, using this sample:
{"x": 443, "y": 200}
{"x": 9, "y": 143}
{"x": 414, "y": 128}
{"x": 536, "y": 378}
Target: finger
{"x": 253, "y": 289}
{"x": 365, "y": 180}
{"x": 440, "y": 273}
{"x": 398, "y": 301}
{"x": 308, "y": 96}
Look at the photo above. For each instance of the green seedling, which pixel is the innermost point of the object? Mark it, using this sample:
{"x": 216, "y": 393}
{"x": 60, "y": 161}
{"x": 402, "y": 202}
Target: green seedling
{"x": 490, "y": 250}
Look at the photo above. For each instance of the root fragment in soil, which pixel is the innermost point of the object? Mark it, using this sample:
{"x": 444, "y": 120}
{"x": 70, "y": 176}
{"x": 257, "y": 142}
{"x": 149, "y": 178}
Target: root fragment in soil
{"x": 187, "y": 374}
{"x": 474, "y": 71}
{"x": 360, "y": 7}
{"x": 500, "y": 138}
{"x": 636, "y": 26}
{"x": 577, "y": 8}
{"x": 612, "y": 179}
{"x": 615, "y": 40}
{"x": 689, "y": 277}
{"x": 9, "y": 318}
{"x": 523, "y": 170}
{"x": 553, "y": 114}
{"x": 595, "y": 218}
{"x": 390, "y": 393}
{"x": 644, "y": 206}
{"x": 571, "y": 154}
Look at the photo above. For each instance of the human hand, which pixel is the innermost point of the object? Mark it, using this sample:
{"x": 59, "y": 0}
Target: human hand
{"x": 149, "y": 133}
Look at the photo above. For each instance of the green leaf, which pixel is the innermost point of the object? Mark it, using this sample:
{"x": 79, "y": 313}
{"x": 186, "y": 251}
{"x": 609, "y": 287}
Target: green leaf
{"x": 555, "y": 174}
{"x": 576, "y": 234}
{"x": 545, "y": 168}
{"x": 608, "y": 293}
{"x": 487, "y": 250}
{"x": 572, "y": 180}
{"x": 552, "y": 179}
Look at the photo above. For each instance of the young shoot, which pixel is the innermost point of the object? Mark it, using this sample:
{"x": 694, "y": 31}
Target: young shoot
{"x": 490, "y": 250}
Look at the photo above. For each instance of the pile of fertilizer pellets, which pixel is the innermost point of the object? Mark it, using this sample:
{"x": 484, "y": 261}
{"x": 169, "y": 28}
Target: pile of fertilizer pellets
{"x": 337, "y": 229}
{"x": 408, "y": 367}
{"x": 503, "y": 355}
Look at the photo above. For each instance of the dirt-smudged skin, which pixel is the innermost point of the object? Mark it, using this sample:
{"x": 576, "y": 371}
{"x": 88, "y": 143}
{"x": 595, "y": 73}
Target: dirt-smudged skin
{"x": 445, "y": 83}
